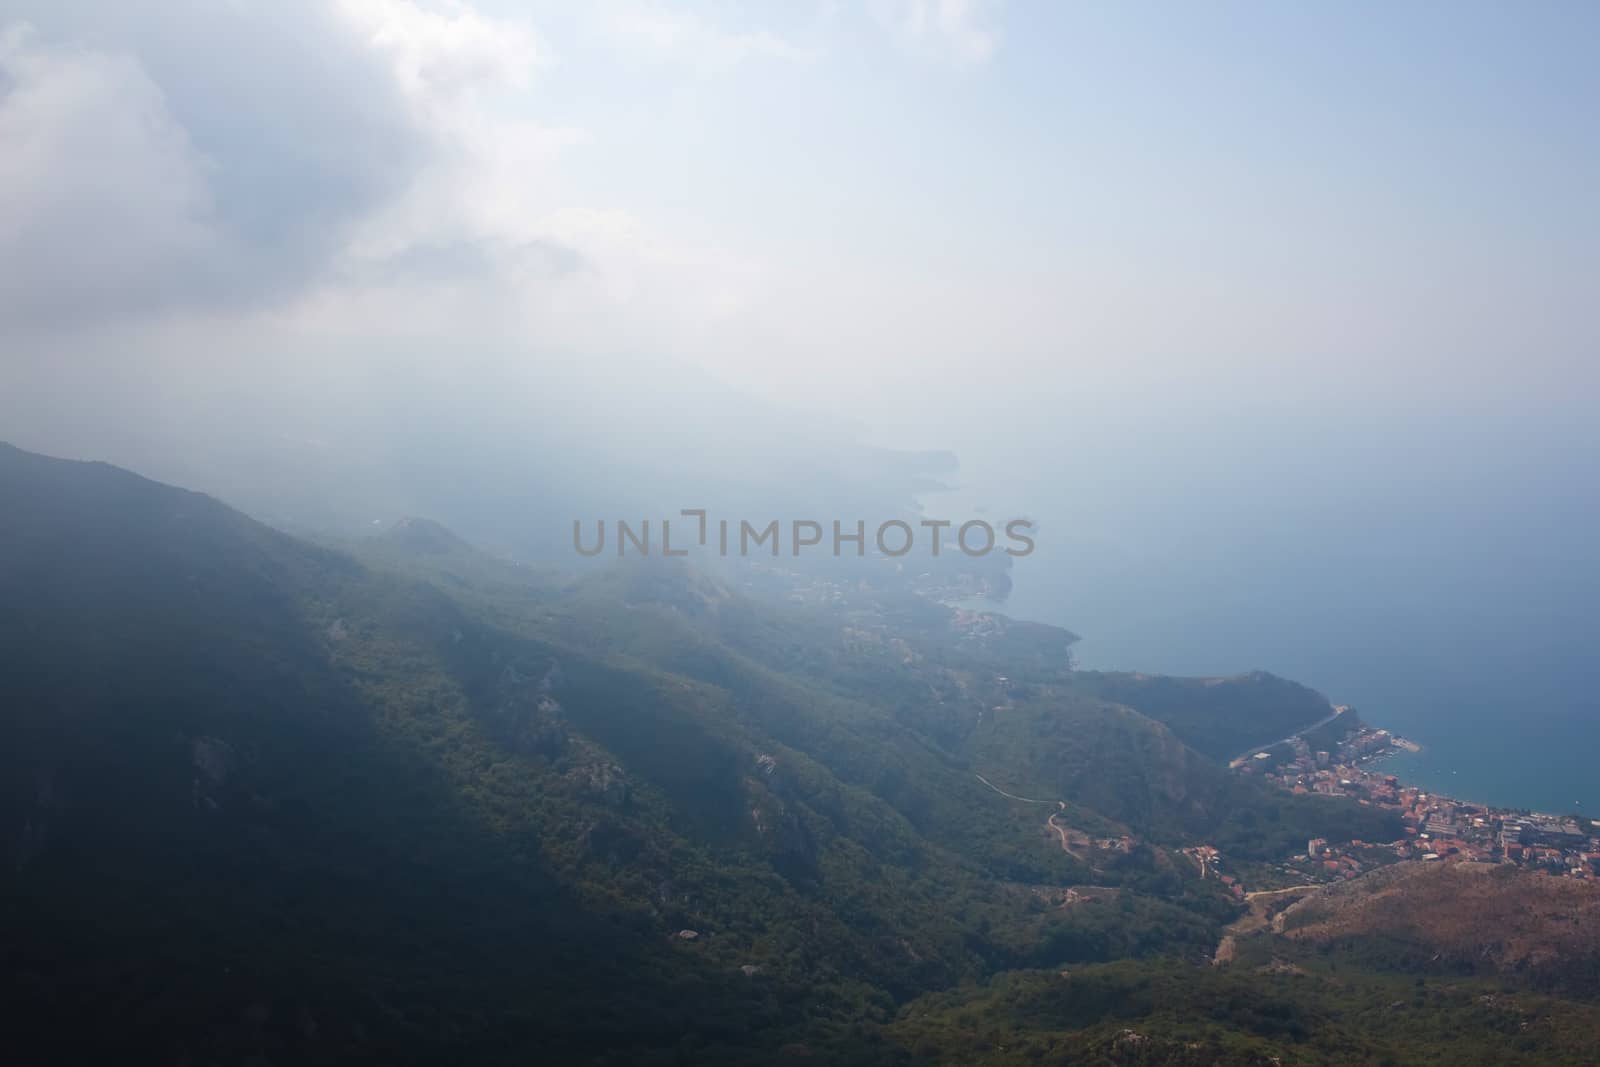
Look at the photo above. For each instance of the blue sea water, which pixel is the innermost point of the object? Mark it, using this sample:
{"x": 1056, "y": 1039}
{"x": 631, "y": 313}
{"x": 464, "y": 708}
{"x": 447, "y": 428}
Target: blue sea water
{"x": 1505, "y": 712}
{"x": 1448, "y": 592}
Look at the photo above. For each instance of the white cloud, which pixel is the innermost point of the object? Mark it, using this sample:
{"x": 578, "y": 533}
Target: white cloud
{"x": 448, "y": 50}
{"x": 361, "y": 165}
{"x": 361, "y": 161}
{"x": 371, "y": 171}
{"x": 685, "y": 38}
{"x": 490, "y": 237}
{"x": 163, "y": 158}
{"x": 108, "y": 200}
{"x": 961, "y": 32}
{"x": 477, "y": 201}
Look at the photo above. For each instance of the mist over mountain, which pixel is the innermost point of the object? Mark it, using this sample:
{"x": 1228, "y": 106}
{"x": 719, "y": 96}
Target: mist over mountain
{"x": 356, "y": 705}
{"x": 509, "y": 457}
{"x": 285, "y": 729}
{"x": 641, "y": 813}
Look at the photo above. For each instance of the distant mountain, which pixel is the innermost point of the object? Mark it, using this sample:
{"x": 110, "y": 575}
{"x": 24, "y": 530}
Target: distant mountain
{"x": 406, "y": 801}
{"x": 503, "y": 448}
{"x": 426, "y": 537}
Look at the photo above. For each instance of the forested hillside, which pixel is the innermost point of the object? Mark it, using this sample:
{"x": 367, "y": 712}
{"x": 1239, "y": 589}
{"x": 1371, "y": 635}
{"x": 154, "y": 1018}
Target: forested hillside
{"x": 401, "y": 801}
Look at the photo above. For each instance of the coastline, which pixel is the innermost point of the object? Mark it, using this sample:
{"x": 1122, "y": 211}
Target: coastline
{"x": 1395, "y": 746}
{"x": 1458, "y": 764}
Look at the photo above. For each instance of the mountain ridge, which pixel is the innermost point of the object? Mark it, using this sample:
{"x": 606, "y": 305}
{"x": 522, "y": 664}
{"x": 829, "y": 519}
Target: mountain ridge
{"x": 315, "y": 739}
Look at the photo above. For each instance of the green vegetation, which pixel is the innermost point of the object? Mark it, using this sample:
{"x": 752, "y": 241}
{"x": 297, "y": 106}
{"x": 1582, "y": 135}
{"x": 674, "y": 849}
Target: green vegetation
{"x": 1218, "y": 717}
{"x": 404, "y": 802}
{"x": 1268, "y": 1011}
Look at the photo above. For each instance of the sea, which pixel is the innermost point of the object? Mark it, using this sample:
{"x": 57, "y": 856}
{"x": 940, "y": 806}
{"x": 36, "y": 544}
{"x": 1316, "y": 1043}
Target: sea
{"x": 1448, "y": 590}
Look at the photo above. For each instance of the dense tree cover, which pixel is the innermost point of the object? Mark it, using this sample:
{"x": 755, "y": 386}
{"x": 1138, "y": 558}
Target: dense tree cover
{"x": 1219, "y": 717}
{"x": 1266, "y": 1010}
{"x": 264, "y": 798}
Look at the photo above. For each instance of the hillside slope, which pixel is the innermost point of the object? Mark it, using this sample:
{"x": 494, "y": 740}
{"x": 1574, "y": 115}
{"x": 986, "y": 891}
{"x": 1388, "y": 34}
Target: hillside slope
{"x": 425, "y": 806}
{"x": 1462, "y": 918}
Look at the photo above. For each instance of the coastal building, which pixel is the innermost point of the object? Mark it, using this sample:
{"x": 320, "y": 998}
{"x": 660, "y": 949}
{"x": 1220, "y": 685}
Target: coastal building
{"x": 1435, "y": 827}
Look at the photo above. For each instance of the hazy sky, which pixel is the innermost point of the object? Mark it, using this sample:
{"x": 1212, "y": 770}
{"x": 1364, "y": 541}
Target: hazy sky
{"x": 898, "y": 210}
{"x": 1281, "y": 317}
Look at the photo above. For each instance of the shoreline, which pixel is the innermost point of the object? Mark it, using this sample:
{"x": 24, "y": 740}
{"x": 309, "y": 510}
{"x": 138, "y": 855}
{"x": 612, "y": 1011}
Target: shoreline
{"x": 1401, "y": 746}
{"x": 1398, "y": 744}
{"x": 1438, "y": 826}
{"x": 1405, "y": 745}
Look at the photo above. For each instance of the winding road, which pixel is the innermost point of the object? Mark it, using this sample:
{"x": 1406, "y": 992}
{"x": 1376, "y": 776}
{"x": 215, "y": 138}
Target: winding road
{"x": 1013, "y": 796}
{"x": 1061, "y": 806}
{"x": 1061, "y": 831}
